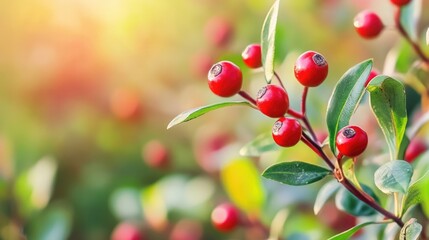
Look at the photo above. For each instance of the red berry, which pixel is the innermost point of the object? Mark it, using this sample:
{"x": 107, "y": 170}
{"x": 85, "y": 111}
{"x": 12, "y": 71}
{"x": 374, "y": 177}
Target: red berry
{"x": 186, "y": 230}
{"x": 156, "y": 155}
{"x": 219, "y": 31}
{"x": 414, "y": 150}
{"x": 252, "y": 56}
{"x": 368, "y": 24}
{"x": 351, "y": 141}
{"x": 126, "y": 105}
{"x": 225, "y": 217}
{"x": 272, "y": 101}
{"x": 374, "y": 73}
{"x": 400, "y": 3}
{"x": 287, "y": 132}
{"x": 311, "y": 69}
{"x": 225, "y": 79}
{"x": 126, "y": 231}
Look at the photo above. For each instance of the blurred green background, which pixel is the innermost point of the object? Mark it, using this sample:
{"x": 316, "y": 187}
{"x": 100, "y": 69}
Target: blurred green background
{"x": 88, "y": 87}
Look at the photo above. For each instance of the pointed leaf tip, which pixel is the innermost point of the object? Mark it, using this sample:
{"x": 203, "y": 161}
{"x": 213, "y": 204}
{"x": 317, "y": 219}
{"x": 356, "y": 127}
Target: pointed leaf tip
{"x": 197, "y": 112}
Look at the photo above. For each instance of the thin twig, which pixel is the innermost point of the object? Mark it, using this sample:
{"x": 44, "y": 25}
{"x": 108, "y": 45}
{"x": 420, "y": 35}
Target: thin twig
{"x": 404, "y": 33}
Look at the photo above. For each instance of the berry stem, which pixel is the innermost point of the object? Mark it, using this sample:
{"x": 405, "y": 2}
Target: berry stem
{"x": 402, "y": 31}
{"x": 294, "y": 113}
{"x": 246, "y": 96}
{"x": 279, "y": 80}
{"x": 364, "y": 197}
{"x": 304, "y": 100}
{"x": 304, "y": 113}
{"x": 317, "y": 149}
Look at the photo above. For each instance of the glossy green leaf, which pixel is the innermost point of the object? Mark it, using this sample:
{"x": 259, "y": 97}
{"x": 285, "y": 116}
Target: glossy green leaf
{"x": 414, "y": 193}
{"x": 262, "y": 143}
{"x": 410, "y": 16}
{"x": 417, "y": 77}
{"x": 387, "y": 98}
{"x": 349, "y": 233}
{"x": 345, "y": 98}
{"x": 349, "y": 203}
{"x": 295, "y": 173}
{"x": 394, "y": 176}
{"x": 268, "y": 38}
{"x": 242, "y": 182}
{"x": 53, "y": 224}
{"x": 196, "y": 112}
{"x": 411, "y": 230}
{"x": 324, "y": 194}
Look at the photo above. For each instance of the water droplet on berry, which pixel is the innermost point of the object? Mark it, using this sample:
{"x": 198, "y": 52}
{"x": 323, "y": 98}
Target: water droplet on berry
{"x": 319, "y": 60}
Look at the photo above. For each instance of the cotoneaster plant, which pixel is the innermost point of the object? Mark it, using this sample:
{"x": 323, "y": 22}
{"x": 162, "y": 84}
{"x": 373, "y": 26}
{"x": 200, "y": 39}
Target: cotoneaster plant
{"x": 346, "y": 145}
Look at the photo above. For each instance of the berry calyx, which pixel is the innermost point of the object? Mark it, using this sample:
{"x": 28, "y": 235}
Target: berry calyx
{"x": 374, "y": 73}
{"x": 272, "y": 101}
{"x": 400, "y": 3}
{"x": 287, "y": 132}
{"x": 225, "y": 217}
{"x": 252, "y": 56}
{"x": 225, "y": 79}
{"x": 311, "y": 69}
{"x": 368, "y": 24}
{"x": 351, "y": 141}
{"x": 414, "y": 149}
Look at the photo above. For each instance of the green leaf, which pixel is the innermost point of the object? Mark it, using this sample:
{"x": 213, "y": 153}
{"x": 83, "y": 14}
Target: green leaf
{"x": 394, "y": 176}
{"x": 53, "y": 224}
{"x": 345, "y": 99}
{"x": 242, "y": 182}
{"x": 196, "y": 112}
{"x": 349, "y": 233}
{"x": 414, "y": 193}
{"x": 350, "y": 173}
{"x": 268, "y": 37}
{"x": 262, "y": 143}
{"x": 417, "y": 77}
{"x": 324, "y": 194}
{"x": 295, "y": 173}
{"x": 387, "y": 98}
{"x": 410, "y": 15}
{"x": 411, "y": 230}
{"x": 349, "y": 203}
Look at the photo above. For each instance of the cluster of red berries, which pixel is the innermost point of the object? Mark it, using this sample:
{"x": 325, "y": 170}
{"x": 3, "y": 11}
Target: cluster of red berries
{"x": 311, "y": 69}
{"x": 369, "y": 25}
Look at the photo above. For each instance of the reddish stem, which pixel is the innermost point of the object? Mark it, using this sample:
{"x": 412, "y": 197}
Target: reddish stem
{"x": 304, "y": 100}
{"x": 317, "y": 149}
{"x": 304, "y": 113}
{"x": 348, "y": 185}
{"x": 401, "y": 29}
{"x": 294, "y": 113}
{"x": 246, "y": 96}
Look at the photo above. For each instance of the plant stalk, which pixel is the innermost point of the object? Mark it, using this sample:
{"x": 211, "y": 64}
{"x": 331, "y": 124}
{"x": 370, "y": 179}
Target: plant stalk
{"x": 401, "y": 29}
{"x": 348, "y": 185}
{"x": 246, "y": 96}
